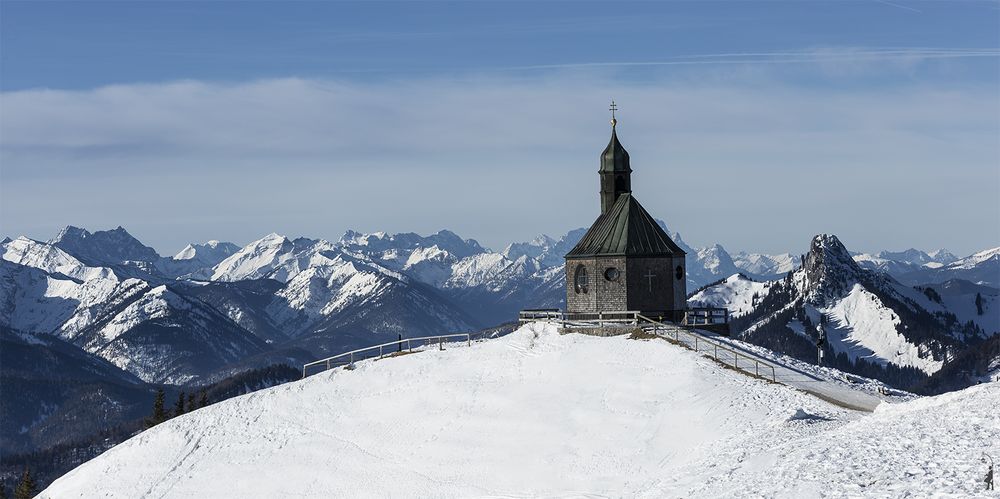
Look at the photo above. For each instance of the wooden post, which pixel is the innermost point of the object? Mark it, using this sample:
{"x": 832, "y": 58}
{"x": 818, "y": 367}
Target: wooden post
{"x": 440, "y": 343}
{"x": 327, "y": 364}
{"x": 756, "y": 366}
{"x": 716, "y": 352}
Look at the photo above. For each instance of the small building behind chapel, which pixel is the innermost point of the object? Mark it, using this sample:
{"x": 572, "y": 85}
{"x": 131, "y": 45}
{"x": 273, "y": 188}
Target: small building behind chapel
{"x": 626, "y": 261}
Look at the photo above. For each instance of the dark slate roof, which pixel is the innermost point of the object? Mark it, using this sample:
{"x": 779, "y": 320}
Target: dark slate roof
{"x": 627, "y": 229}
{"x": 615, "y": 157}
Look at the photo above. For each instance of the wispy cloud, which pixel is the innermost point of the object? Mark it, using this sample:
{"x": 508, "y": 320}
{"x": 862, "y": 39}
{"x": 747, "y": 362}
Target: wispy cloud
{"x": 900, "y": 6}
{"x": 813, "y": 56}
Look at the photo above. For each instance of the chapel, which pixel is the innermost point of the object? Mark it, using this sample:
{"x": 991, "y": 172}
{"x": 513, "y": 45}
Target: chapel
{"x": 626, "y": 261}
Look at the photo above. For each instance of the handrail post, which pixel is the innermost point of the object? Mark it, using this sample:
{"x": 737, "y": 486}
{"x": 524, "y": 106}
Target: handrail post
{"x": 716, "y": 352}
{"x": 773, "y": 377}
{"x": 736, "y": 360}
{"x": 352, "y": 359}
{"x": 380, "y": 351}
{"x": 440, "y": 344}
{"x": 756, "y": 366}
{"x": 695, "y": 343}
{"x": 327, "y": 364}
{"x": 303, "y": 372}
{"x": 468, "y": 339}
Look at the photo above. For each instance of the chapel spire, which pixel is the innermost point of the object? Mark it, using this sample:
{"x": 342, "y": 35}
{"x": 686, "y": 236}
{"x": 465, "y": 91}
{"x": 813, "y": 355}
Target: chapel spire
{"x": 615, "y": 172}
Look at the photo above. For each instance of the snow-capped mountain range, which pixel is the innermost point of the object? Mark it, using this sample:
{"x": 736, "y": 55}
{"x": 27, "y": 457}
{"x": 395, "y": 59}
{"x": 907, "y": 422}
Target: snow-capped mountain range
{"x": 105, "y": 303}
{"x": 116, "y": 298}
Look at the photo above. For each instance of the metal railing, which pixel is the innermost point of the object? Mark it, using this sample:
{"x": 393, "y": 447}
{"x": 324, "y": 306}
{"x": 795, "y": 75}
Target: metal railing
{"x": 384, "y": 350}
{"x": 570, "y": 319}
{"x": 699, "y": 316}
{"x": 721, "y": 353}
{"x": 703, "y": 316}
{"x": 682, "y": 334}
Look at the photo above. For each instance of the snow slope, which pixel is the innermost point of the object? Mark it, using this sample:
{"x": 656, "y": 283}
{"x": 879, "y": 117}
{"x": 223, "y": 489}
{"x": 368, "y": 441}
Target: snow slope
{"x": 536, "y": 413}
{"x": 51, "y": 259}
{"x": 737, "y": 293}
{"x": 862, "y": 326}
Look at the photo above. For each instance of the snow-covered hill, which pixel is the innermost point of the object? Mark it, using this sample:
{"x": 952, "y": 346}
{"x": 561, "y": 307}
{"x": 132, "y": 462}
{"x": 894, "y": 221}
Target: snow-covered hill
{"x": 542, "y": 414}
{"x": 738, "y": 293}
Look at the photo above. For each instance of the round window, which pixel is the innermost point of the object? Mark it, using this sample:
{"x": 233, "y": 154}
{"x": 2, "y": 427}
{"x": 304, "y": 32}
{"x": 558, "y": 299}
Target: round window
{"x": 611, "y": 274}
{"x": 679, "y": 272}
{"x": 580, "y": 279}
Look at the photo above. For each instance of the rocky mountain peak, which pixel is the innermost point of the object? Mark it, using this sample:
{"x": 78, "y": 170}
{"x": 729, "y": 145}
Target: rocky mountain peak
{"x": 829, "y": 267}
{"x": 107, "y": 247}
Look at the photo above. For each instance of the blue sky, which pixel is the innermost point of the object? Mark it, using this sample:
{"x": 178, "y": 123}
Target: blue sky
{"x": 186, "y": 121}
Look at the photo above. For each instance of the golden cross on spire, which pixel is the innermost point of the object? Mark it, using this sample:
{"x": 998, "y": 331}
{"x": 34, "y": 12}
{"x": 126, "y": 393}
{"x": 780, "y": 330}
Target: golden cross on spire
{"x": 613, "y": 108}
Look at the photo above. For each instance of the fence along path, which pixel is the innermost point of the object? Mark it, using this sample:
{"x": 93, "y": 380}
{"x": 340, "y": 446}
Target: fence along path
{"x": 723, "y": 349}
{"x": 732, "y": 354}
{"x": 384, "y": 350}
{"x": 700, "y": 342}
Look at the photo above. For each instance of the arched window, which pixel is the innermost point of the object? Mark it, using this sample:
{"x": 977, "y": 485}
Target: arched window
{"x": 679, "y": 272}
{"x": 580, "y": 279}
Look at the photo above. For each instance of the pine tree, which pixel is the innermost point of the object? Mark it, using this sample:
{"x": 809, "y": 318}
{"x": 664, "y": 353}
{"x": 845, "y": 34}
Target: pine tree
{"x": 159, "y": 413}
{"x": 179, "y": 405}
{"x": 203, "y": 400}
{"x": 27, "y": 488}
{"x": 3, "y": 490}
{"x": 191, "y": 405}
{"x": 979, "y": 304}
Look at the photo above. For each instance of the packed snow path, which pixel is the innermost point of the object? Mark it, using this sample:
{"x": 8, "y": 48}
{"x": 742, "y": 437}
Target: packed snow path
{"x": 785, "y": 371}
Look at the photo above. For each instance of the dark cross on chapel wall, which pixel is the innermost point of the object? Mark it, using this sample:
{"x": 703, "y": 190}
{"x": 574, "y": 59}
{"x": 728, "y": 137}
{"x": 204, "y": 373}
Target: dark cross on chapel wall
{"x": 650, "y": 275}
